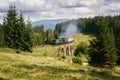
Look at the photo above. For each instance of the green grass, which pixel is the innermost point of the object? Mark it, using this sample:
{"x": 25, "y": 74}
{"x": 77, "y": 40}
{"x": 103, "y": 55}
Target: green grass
{"x": 45, "y": 63}
{"x": 79, "y": 37}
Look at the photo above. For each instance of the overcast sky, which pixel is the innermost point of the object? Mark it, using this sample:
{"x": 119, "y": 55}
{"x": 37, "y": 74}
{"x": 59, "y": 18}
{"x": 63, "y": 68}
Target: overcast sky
{"x": 61, "y": 9}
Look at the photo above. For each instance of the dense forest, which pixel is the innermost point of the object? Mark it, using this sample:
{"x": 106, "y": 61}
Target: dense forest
{"x": 104, "y": 50}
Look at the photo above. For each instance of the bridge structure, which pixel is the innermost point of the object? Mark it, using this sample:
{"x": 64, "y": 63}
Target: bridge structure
{"x": 66, "y": 48}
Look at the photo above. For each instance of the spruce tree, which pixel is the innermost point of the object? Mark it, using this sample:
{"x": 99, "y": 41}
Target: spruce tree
{"x": 28, "y": 36}
{"x": 10, "y": 24}
{"x": 21, "y": 42}
{"x": 102, "y": 50}
{"x": 17, "y": 34}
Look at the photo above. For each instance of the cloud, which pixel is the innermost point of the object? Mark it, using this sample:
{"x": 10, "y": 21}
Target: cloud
{"x": 51, "y": 9}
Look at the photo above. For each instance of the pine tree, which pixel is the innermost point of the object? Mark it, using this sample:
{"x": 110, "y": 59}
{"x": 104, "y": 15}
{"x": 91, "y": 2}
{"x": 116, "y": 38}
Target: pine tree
{"x": 102, "y": 49}
{"x": 10, "y": 24}
{"x": 17, "y": 34}
{"x": 28, "y": 36}
{"x": 21, "y": 33}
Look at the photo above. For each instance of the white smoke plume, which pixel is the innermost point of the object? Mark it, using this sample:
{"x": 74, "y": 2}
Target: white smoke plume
{"x": 69, "y": 29}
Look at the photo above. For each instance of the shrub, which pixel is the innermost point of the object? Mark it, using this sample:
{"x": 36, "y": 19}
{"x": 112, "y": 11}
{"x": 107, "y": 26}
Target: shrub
{"x": 81, "y": 48}
{"x": 77, "y": 60}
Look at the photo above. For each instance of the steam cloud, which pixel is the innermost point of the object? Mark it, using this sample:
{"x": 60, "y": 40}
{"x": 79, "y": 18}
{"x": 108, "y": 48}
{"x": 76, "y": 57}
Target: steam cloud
{"x": 69, "y": 29}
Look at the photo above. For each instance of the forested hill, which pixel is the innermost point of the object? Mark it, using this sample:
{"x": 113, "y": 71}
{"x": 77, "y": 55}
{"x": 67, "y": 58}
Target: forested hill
{"x": 89, "y": 25}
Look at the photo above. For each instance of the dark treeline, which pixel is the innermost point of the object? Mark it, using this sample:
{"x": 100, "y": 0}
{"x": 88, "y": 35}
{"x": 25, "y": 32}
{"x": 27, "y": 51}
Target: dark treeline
{"x": 104, "y": 50}
{"x": 20, "y": 35}
{"x": 89, "y": 26}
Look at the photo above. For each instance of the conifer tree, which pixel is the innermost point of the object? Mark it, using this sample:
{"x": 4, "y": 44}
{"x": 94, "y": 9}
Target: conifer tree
{"x": 29, "y": 36}
{"x": 17, "y": 34}
{"x": 10, "y": 24}
{"x": 102, "y": 49}
{"x": 21, "y": 33}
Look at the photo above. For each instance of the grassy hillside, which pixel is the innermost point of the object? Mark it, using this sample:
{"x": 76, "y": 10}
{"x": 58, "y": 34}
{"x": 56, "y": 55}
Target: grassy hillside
{"x": 81, "y": 38}
{"x": 45, "y": 63}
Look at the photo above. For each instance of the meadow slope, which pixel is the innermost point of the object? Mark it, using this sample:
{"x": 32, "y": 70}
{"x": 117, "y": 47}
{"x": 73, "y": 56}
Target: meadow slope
{"x": 45, "y": 63}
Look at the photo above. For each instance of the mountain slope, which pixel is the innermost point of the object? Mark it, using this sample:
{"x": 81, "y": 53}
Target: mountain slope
{"x": 49, "y": 24}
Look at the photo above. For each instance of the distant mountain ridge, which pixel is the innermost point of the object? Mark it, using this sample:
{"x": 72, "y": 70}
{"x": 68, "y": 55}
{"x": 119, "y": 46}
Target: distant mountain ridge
{"x": 48, "y": 24}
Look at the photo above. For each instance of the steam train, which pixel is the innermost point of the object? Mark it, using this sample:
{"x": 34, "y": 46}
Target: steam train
{"x": 62, "y": 40}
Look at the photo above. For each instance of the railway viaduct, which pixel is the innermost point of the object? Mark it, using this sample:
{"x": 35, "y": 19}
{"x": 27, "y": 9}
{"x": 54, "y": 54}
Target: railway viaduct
{"x": 66, "y": 48}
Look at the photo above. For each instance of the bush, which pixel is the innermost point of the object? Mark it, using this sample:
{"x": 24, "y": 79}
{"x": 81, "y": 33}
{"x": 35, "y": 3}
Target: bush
{"x": 81, "y": 48}
{"x": 77, "y": 60}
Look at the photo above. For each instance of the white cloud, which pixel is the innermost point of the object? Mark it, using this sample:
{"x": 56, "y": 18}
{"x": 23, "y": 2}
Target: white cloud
{"x": 91, "y": 2}
{"x": 51, "y": 9}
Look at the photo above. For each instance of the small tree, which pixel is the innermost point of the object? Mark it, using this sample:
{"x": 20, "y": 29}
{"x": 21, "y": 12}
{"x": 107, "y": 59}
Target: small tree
{"x": 39, "y": 35}
{"x": 57, "y": 30}
{"x": 50, "y": 35}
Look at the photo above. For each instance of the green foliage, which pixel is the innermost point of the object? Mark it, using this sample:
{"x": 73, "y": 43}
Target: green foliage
{"x": 20, "y": 28}
{"x": 102, "y": 50}
{"x": 28, "y": 36}
{"x": 39, "y": 35}
{"x": 116, "y": 29}
{"x": 17, "y": 35}
{"x": 89, "y": 26}
{"x": 77, "y": 60}
{"x": 113, "y": 23}
{"x": 1, "y": 36}
{"x": 57, "y": 30}
{"x": 10, "y": 24}
{"x": 50, "y": 36}
{"x": 81, "y": 49}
